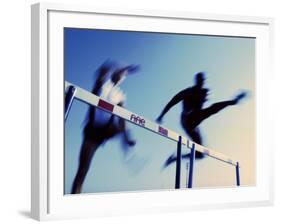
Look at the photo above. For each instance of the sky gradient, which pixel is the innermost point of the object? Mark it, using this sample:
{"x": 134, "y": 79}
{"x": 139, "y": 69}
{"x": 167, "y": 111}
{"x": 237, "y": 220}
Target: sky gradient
{"x": 168, "y": 63}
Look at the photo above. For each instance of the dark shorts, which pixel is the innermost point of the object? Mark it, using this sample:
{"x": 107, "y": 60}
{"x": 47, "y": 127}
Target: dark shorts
{"x": 100, "y": 133}
{"x": 191, "y": 120}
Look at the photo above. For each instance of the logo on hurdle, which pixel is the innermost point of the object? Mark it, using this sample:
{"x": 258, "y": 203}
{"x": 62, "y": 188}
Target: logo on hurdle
{"x": 163, "y": 131}
{"x": 137, "y": 120}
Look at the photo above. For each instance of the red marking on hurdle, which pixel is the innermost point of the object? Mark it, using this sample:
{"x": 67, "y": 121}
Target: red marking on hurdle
{"x": 137, "y": 120}
{"x": 105, "y": 105}
{"x": 163, "y": 131}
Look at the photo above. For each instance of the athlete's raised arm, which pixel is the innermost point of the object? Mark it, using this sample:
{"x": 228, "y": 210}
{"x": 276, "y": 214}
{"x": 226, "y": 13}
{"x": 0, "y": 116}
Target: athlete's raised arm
{"x": 175, "y": 100}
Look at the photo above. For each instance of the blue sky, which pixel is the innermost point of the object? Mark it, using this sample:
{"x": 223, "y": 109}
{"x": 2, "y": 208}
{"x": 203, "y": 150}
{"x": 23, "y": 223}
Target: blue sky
{"x": 168, "y": 63}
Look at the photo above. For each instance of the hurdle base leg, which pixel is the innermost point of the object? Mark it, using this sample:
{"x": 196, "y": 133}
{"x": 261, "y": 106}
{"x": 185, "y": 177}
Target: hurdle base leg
{"x": 237, "y": 175}
{"x": 191, "y": 159}
{"x": 69, "y": 100}
{"x": 178, "y": 164}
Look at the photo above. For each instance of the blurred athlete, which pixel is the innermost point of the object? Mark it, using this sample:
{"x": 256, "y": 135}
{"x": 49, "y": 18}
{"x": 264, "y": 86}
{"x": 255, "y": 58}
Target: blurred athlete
{"x": 101, "y": 126}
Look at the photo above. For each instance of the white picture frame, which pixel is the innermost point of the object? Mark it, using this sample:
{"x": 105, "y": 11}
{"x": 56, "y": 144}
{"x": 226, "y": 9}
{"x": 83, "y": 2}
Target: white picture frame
{"x": 48, "y": 201}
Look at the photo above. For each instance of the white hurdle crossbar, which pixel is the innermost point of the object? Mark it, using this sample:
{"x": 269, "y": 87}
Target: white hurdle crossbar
{"x": 75, "y": 92}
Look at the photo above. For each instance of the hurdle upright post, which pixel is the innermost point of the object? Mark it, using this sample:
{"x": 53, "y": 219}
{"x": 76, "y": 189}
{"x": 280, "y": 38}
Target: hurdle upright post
{"x": 191, "y": 159}
{"x": 178, "y": 163}
{"x": 237, "y": 174}
{"x": 69, "y": 100}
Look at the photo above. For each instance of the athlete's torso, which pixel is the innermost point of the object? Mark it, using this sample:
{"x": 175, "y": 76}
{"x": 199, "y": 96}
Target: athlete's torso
{"x": 194, "y": 99}
{"x": 113, "y": 94}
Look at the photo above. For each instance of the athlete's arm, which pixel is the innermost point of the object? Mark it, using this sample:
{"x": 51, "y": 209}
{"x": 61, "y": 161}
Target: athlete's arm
{"x": 126, "y": 133}
{"x": 175, "y": 100}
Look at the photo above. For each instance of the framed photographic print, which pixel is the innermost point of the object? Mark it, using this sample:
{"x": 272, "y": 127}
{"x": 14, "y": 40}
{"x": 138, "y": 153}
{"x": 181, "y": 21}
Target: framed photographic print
{"x": 146, "y": 111}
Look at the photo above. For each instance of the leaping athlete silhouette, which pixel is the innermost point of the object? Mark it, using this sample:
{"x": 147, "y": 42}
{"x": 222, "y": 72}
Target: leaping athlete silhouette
{"x": 193, "y": 113}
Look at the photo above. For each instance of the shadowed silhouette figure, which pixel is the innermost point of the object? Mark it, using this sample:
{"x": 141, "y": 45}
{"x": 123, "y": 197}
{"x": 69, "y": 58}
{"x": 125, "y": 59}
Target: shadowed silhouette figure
{"x": 101, "y": 126}
{"x": 193, "y": 113}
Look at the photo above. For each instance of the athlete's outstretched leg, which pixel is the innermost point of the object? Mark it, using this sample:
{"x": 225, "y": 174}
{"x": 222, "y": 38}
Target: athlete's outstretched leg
{"x": 216, "y": 107}
{"x": 88, "y": 150}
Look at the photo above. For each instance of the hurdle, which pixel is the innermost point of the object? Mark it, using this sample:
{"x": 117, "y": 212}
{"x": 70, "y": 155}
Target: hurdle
{"x": 75, "y": 92}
